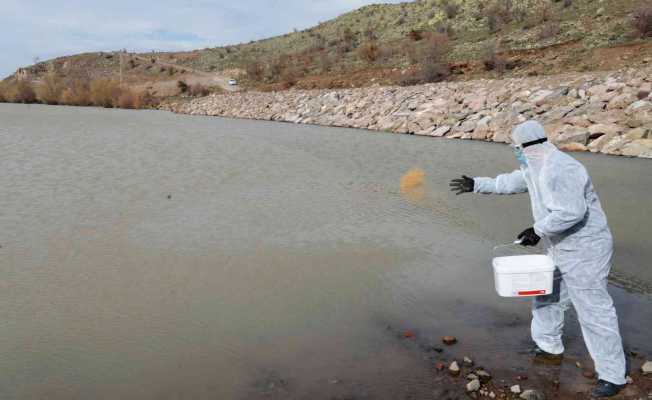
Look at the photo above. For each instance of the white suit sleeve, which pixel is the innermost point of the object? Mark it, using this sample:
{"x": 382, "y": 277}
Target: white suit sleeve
{"x": 563, "y": 195}
{"x": 503, "y": 184}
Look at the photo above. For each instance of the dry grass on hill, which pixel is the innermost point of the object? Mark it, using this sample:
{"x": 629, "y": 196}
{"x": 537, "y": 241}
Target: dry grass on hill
{"x": 53, "y": 90}
{"x": 393, "y": 44}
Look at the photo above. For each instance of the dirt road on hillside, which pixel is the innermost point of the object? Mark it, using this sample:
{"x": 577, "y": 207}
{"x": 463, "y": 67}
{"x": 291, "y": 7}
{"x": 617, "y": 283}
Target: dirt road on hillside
{"x": 198, "y": 77}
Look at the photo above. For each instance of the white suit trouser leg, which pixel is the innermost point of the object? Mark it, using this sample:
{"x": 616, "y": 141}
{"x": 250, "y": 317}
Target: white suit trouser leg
{"x": 599, "y": 323}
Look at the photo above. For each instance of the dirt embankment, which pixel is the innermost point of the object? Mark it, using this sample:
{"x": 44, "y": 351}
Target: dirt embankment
{"x": 606, "y": 112}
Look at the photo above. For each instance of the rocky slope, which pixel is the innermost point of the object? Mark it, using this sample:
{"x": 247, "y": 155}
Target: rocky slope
{"x": 607, "y": 112}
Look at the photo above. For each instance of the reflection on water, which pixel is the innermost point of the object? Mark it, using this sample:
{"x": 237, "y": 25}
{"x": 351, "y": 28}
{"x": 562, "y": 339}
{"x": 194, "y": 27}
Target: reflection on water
{"x": 147, "y": 255}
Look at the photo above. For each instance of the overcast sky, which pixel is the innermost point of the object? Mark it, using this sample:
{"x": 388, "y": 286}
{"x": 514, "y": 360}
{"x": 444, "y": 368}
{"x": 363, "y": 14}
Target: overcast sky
{"x": 47, "y": 28}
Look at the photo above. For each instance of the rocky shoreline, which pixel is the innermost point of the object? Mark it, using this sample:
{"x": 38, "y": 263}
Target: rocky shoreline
{"x": 604, "y": 112}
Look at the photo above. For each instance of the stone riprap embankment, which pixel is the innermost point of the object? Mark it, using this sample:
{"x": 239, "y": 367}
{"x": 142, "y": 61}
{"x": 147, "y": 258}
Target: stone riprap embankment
{"x": 607, "y": 112}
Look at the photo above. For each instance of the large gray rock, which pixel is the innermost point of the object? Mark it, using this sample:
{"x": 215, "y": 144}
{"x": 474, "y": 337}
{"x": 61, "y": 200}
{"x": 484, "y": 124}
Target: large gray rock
{"x": 615, "y": 146}
{"x": 468, "y": 126}
{"x": 572, "y": 147}
{"x": 640, "y": 118}
{"x": 637, "y": 133}
{"x": 581, "y": 121}
{"x": 598, "y": 144}
{"x": 597, "y": 90}
{"x": 541, "y": 96}
{"x": 503, "y": 136}
{"x": 598, "y": 130}
{"x": 573, "y": 134}
{"x": 477, "y": 103}
{"x": 639, "y": 106}
{"x": 441, "y": 131}
{"x": 638, "y": 148}
{"x": 482, "y": 129}
{"x": 557, "y": 113}
{"x": 621, "y": 101}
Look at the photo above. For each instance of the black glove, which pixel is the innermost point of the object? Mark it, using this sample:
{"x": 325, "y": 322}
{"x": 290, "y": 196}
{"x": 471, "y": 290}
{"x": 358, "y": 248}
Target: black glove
{"x": 528, "y": 237}
{"x": 462, "y": 185}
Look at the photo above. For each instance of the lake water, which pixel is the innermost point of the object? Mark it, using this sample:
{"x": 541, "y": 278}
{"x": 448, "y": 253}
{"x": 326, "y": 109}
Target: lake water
{"x": 147, "y": 255}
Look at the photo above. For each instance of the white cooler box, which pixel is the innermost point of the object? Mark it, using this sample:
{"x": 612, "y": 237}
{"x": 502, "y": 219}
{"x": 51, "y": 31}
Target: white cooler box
{"x": 523, "y": 276}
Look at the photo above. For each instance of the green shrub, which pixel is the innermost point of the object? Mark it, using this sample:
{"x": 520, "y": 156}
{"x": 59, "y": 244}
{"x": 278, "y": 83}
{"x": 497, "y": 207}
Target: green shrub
{"x": 492, "y": 60}
{"x": 642, "y": 20}
{"x": 498, "y": 14}
{"x": 198, "y": 90}
{"x": 369, "y": 52}
{"x": 549, "y": 30}
{"x": 255, "y": 71}
{"x": 451, "y": 9}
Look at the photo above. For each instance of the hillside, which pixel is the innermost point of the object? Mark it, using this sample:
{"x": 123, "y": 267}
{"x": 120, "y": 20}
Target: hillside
{"x": 473, "y": 26}
{"x": 408, "y": 43}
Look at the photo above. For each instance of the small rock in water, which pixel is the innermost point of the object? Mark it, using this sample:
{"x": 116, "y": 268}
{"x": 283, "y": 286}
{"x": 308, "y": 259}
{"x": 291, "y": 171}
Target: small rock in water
{"x": 492, "y": 395}
{"x": 483, "y": 375}
{"x": 647, "y": 368}
{"x": 440, "y": 366}
{"x": 629, "y": 380}
{"x": 437, "y": 349}
{"x": 454, "y": 368}
{"x": 473, "y": 386}
{"x": 588, "y": 374}
{"x": 169, "y": 196}
{"x": 578, "y": 364}
{"x": 468, "y": 361}
{"x": 533, "y": 395}
{"x": 472, "y": 377}
{"x": 449, "y": 340}
{"x": 409, "y": 334}
{"x": 515, "y": 389}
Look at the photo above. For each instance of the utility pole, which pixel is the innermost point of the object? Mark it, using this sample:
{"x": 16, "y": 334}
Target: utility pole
{"x": 121, "y": 67}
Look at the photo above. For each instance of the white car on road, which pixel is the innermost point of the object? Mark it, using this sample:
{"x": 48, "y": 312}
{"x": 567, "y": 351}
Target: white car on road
{"x": 233, "y": 82}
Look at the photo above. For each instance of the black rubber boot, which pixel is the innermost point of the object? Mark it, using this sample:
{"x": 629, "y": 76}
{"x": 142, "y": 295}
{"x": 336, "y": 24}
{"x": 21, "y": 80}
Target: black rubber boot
{"x": 543, "y": 357}
{"x": 605, "y": 389}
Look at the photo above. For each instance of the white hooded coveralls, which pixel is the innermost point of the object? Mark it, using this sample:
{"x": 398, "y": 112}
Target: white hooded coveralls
{"x": 573, "y": 227}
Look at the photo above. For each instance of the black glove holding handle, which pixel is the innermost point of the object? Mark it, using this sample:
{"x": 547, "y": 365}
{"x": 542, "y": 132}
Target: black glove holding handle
{"x": 528, "y": 237}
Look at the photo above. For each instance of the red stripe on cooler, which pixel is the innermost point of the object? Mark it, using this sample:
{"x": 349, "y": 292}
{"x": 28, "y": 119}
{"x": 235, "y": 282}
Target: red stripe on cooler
{"x": 531, "y": 292}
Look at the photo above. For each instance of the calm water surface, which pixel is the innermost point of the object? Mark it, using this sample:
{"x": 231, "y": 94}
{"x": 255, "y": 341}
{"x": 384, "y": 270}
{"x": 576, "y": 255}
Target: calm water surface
{"x": 147, "y": 255}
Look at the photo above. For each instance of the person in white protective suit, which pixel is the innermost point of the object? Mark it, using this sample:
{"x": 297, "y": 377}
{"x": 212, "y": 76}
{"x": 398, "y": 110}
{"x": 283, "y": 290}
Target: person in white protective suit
{"x": 570, "y": 220}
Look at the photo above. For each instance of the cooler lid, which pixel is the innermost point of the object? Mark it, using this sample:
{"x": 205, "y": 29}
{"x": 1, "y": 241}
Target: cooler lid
{"x": 523, "y": 264}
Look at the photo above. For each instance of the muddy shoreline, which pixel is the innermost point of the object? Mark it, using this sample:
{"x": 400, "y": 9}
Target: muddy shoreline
{"x": 517, "y": 374}
{"x": 602, "y": 112}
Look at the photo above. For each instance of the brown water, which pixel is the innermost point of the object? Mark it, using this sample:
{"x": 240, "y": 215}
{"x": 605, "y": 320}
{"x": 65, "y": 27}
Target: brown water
{"x": 147, "y": 255}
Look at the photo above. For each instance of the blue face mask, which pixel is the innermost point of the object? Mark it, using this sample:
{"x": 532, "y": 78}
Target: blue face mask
{"x": 520, "y": 156}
